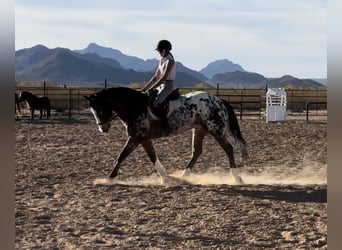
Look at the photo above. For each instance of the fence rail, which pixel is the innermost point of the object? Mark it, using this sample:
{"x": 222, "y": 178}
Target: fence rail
{"x": 246, "y": 102}
{"x": 309, "y": 104}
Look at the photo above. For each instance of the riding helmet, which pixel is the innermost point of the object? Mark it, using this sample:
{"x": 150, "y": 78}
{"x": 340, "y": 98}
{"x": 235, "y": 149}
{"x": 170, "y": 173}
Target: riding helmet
{"x": 164, "y": 44}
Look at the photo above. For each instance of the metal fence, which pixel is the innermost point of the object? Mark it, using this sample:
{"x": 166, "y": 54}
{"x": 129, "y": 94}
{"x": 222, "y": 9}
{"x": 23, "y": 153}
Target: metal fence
{"x": 303, "y": 104}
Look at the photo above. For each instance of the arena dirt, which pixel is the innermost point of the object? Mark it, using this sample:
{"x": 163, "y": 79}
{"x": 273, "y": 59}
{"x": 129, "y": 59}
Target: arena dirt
{"x": 61, "y": 204}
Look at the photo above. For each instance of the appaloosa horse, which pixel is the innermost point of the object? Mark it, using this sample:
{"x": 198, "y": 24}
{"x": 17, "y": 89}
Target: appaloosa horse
{"x": 35, "y": 102}
{"x": 200, "y": 111}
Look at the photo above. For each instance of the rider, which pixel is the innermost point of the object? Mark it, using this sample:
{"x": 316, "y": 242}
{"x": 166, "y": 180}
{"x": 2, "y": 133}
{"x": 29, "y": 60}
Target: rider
{"x": 164, "y": 79}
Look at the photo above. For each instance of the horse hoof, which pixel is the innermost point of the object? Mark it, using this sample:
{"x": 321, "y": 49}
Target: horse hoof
{"x": 186, "y": 172}
{"x": 162, "y": 180}
{"x": 240, "y": 181}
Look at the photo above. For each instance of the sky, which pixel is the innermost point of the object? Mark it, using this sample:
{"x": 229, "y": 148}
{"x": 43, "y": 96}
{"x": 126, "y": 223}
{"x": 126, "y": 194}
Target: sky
{"x": 269, "y": 37}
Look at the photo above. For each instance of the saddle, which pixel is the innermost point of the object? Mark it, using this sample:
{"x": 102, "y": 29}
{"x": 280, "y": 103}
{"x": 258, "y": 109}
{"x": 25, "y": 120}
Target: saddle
{"x": 164, "y": 106}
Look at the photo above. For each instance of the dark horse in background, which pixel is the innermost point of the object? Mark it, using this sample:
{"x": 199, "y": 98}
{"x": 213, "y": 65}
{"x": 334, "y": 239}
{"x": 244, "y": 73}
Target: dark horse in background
{"x": 35, "y": 102}
{"x": 200, "y": 111}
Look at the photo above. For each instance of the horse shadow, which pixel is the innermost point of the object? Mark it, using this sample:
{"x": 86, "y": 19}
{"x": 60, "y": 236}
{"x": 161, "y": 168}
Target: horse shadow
{"x": 293, "y": 194}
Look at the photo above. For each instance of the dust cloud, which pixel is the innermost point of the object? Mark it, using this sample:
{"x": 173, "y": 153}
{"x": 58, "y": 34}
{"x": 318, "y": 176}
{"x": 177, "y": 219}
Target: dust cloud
{"x": 308, "y": 173}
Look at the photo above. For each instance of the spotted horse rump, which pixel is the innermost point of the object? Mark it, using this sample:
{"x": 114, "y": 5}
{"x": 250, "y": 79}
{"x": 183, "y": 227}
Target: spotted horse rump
{"x": 202, "y": 112}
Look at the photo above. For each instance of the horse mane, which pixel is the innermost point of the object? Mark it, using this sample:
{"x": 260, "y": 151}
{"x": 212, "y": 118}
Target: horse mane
{"x": 124, "y": 95}
{"x": 127, "y": 100}
{"x": 121, "y": 91}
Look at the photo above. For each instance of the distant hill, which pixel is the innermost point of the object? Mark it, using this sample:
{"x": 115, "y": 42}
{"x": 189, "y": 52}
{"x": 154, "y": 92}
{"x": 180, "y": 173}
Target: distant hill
{"x": 80, "y": 68}
{"x": 34, "y": 56}
{"x": 138, "y": 64}
{"x": 27, "y": 57}
{"x": 63, "y": 66}
{"x": 323, "y": 81}
{"x": 66, "y": 67}
{"x": 291, "y": 82}
{"x": 126, "y": 61}
{"x": 220, "y": 66}
{"x": 239, "y": 79}
{"x": 182, "y": 69}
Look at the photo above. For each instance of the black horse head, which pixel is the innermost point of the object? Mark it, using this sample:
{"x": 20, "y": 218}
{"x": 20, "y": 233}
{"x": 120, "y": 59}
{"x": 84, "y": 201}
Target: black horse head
{"x": 24, "y": 96}
{"x": 124, "y": 102}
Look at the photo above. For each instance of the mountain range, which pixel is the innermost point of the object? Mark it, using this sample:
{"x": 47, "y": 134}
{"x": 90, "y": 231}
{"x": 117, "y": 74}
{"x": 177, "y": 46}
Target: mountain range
{"x": 92, "y": 65}
{"x": 239, "y": 79}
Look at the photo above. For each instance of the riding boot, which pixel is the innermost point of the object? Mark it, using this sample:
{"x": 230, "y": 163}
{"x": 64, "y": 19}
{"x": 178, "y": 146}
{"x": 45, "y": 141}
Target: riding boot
{"x": 161, "y": 112}
{"x": 164, "y": 123}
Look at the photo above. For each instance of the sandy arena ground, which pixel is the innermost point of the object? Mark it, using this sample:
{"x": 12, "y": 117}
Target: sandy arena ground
{"x": 282, "y": 206}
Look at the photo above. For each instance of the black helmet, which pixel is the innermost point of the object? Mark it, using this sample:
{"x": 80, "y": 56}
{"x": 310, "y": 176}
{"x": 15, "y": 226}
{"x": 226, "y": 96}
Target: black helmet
{"x": 164, "y": 44}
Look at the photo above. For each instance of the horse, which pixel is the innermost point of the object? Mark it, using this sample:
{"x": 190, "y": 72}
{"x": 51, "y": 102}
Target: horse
{"x": 17, "y": 110}
{"x": 35, "y": 102}
{"x": 202, "y": 112}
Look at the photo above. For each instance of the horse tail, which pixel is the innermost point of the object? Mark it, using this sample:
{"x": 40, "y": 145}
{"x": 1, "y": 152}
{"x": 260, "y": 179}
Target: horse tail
{"x": 235, "y": 128}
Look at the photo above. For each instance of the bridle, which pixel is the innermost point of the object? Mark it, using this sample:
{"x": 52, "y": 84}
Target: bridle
{"x": 112, "y": 117}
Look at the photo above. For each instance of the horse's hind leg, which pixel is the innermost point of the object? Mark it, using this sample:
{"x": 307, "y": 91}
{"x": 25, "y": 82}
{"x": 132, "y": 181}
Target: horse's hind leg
{"x": 197, "y": 143}
{"x": 148, "y": 146}
{"x": 228, "y": 148}
{"x": 48, "y": 112}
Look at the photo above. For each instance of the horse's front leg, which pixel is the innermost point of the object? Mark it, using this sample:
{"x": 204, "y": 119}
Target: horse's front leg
{"x": 149, "y": 148}
{"x": 131, "y": 144}
{"x": 41, "y": 114}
